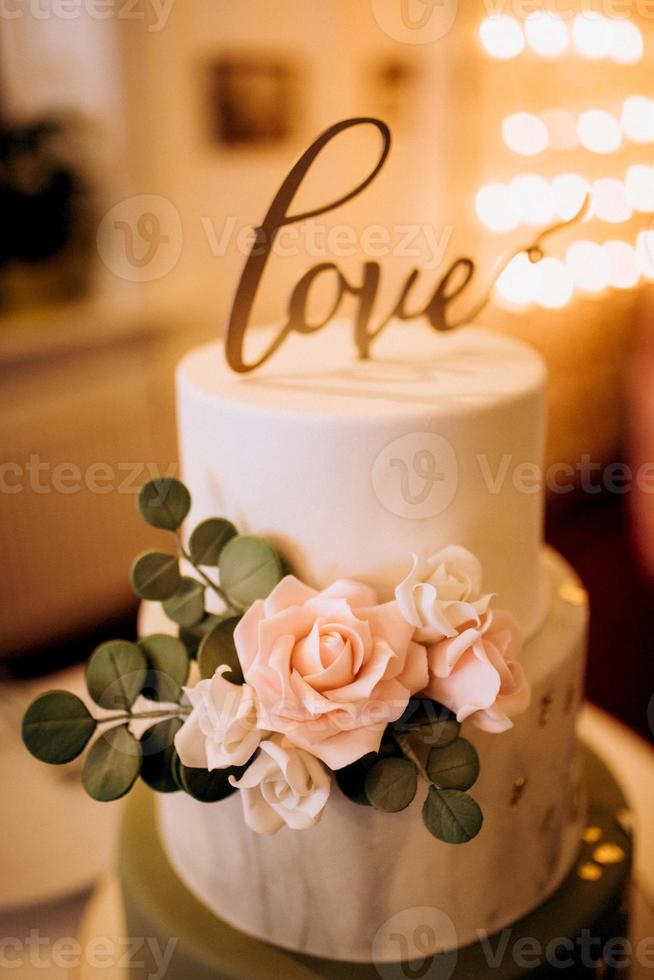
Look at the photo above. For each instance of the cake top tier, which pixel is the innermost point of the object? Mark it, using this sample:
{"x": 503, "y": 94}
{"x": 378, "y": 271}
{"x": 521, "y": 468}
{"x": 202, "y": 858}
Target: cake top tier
{"x": 412, "y": 368}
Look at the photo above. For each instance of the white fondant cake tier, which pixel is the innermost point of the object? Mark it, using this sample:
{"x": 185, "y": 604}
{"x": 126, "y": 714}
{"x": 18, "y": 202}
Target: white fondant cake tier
{"x": 350, "y": 886}
{"x": 349, "y": 466}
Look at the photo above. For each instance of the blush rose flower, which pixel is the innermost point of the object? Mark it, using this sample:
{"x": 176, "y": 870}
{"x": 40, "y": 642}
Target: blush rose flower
{"x": 284, "y": 786}
{"x": 476, "y": 674}
{"x": 442, "y": 594}
{"x": 330, "y": 669}
{"x": 221, "y": 730}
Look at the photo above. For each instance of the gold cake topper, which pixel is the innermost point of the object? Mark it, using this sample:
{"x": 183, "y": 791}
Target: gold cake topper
{"x": 450, "y": 286}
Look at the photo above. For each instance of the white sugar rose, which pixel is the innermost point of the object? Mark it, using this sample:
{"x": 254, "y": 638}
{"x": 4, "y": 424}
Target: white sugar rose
{"x": 442, "y": 594}
{"x": 284, "y": 786}
{"x": 221, "y": 731}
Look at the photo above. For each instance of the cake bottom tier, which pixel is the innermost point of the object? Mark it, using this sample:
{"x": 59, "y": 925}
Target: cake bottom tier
{"x": 577, "y": 931}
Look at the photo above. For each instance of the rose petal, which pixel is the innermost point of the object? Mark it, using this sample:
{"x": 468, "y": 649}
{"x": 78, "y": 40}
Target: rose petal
{"x": 246, "y": 634}
{"x": 355, "y": 593}
{"x": 474, "y": 685}
{"x": 289, "y": 592}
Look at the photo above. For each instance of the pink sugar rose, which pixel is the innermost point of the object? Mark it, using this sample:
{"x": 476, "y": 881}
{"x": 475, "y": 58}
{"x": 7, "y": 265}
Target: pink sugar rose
{"x": 475, "y": 673}
{"x": 330, "y": 669}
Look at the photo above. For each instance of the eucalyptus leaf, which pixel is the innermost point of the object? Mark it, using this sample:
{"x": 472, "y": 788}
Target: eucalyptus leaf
{"x": 351, "y": 779}
{"x": 186, "y": 607}
{"x": 168, "y": 667}
{"x": 249, "y": 570}
{"x": 430, "y": 721}
{"x": 192, "y": 636}
{"x": 208, "y": 787}
{"x": 155, "y": 575}
{"x": 208, "y": 540}
{"x": 218, "y": 648}
{"x": 116, "y": 673}
{"x": 164, "y": 503}
{"x": 455, "y": 766}
{"x": 112, "y": 765}
{"x": 159, "y": 754}
{"x": 391, "y": 784}
{"x": 57, "y": 727}
{"x": 451, "y": 815}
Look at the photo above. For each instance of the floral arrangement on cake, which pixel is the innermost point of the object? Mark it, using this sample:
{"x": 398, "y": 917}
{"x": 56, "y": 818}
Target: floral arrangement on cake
{"x": 290, "y": 689}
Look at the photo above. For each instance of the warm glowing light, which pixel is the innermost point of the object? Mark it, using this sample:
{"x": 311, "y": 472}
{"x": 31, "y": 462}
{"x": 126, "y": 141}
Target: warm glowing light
{"x": 623, "y": 264}
{"x": 588, "y": 266}
{"x": 554, "y": 286}
{"x": 524, "y": 133}
{"x": 599, "y": 131}
{"x": 609, "y": 200}
{"x": 561, "y": 129}
{"x": 532, "y": 196}
{"x": 626, "y": 42}
{"x": 502, "y": 36}
{"x": 639, "y": 187}
{"x": 495, "y": 208}
{"x": 637, "y": 119}
{"x": 592, "y": 35}
{"x": 568, "y": 193}
{"x": 517, "y": 284}
{"x": 645, "y": 253}
{"x": 546, "y": 33}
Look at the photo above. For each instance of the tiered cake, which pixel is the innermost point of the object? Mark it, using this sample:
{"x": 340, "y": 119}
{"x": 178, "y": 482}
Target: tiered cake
{"x": 350, "y": 467}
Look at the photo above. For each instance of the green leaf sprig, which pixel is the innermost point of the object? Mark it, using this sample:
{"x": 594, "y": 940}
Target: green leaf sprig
{"x": 425, "y": 742}
{"x": 58, "y": 727}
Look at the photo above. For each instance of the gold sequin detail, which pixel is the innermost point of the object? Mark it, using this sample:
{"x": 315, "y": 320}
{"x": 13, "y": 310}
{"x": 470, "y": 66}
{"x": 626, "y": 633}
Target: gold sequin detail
{"x": 545, "y": 709}
{"x": 518, "y": 789}
{"x": 589, "y": 871}
{"x": 575, "y": 594}
{"x": 591, "y": 835}
{"x": 608, "y": 854}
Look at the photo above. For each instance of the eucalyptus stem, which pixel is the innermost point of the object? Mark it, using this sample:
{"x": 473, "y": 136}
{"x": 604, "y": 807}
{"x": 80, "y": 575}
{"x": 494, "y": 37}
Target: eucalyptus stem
{"x": 181, "y": 711}
{"x": 222, "y": 595}
{"x": 409, "y": 753}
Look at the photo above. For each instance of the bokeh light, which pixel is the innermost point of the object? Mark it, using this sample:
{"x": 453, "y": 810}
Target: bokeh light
{"x": 645, "y": 253}
{"x": 568, "y": 193}
{"x": 495, "y": 208}
{"x": 525, "y": 133}
{"x": 532, "y": 197}
{"x": 554, "y": 286}
{"x": 501, "y": 36}
{"x": 639, "y": 187}
{"x": 626, "y": 42}
{"x": 592, "y": 35}
{"x": 588, "y": 266}
{"x": 599, "y": 131}
{"x": 623, "y": 264}
{"x": 517, "y": 284}
{"x": 609, "y": 200}
{"x": 561, "y": 129}
{"x": 637, "y": 119}
{"x": 546, "y": 34}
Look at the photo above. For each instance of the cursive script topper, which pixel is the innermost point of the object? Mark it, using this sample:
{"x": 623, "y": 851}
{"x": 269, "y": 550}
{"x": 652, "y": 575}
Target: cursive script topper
{"x": 450, "y": 286}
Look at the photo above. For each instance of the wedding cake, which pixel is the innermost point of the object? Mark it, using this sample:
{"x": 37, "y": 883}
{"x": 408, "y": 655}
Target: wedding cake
{"x": 367, "y": 669}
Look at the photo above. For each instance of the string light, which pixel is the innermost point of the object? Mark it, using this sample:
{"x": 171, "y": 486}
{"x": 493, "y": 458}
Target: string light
{"x": 599, "y": 131}
{"x": 501, "y": 36}
{"x": 561, "y": 129}
{"x": 517, "y": 284}
{"x": 495, "y": 208}
{"x": 568, "y": 193}
{"x": 588, "y": 266}
{"x": 592, "y": 35}
{"x": 554, "y": 287}
{"x": 623, "y": 264}
{"x": 525, "y": 133}
{"x": 609, "y": 200}
{"x": 532, "y": 196}
{"x": 546, "y": 34}
{"x": 637, "y": 119}
{"x": 626, "y": 42}
{"x": 639, "y": 187}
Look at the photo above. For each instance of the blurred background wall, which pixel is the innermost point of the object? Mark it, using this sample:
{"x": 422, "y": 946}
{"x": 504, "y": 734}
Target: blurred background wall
{"x": 141, "y": 143}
